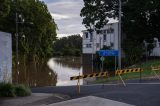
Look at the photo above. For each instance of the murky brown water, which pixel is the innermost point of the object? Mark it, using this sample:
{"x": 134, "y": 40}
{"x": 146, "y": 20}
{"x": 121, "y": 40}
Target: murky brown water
{"x": 51, "y": 72}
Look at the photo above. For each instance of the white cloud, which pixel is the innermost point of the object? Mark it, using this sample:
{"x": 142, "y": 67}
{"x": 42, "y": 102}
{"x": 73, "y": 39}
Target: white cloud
{"x": 66, "y": 14}
{"x": 65, "y": 35}
{"x": 59, "y": 16}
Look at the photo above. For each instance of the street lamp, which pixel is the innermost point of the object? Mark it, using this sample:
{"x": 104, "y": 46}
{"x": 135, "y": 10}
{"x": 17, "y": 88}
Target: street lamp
{"x": 17, "y": 38}
{"x": 119, "y": 35}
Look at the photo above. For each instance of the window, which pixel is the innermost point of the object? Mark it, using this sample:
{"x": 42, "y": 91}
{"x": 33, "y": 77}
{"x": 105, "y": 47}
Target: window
{"x": 104, "y": 31}
{"x": 86, "y": 34}
{"x": 110, "y": 30}
{"x": 88, "y": 45}
{"x": 98, "y": 45}
{"x": 104, "y": 37}
{"x": 91, "y": 37}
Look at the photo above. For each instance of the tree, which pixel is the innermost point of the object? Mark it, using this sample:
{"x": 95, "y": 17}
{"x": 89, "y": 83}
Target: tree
{"x": 68, "y": 46}
{"x": 98, "y": 12}
{"x": 4, "y": 8}
{"x": 39, "y": 36}
{"x": 141, "y": 20}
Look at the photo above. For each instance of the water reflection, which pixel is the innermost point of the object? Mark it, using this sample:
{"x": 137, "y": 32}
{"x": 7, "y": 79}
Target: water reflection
{"x": 34, "y": 74}
{"x": 65, "y": 68}
{"x": 52, "y": 72}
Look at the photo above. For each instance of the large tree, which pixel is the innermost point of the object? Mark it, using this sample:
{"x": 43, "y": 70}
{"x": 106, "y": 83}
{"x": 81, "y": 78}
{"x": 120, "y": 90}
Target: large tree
{"x": 140, "y": 18}
{"x": 37, "y": 33}
{"x": 98, "y": 12}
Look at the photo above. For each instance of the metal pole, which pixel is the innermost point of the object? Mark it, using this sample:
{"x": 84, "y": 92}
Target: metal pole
{"x": 17, "y": 62}
{"x": 92, "y": 49}
{"x": 119, "y": 37}
{"x": 115, "y": 63}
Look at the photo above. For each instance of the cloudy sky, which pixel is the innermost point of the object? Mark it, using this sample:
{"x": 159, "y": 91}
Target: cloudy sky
{"x": 66, "y": 15}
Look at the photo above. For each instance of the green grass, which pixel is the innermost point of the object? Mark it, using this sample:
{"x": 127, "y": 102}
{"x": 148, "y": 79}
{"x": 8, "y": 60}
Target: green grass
{"x": 146, "y": 66}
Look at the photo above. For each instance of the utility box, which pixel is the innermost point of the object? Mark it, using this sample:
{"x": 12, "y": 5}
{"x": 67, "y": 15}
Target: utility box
{"x": 5, "y": 57}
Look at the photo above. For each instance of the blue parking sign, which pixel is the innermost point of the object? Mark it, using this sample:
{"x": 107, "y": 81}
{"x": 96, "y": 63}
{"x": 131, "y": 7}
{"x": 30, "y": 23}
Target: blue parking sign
{"x": 108, "y": 52}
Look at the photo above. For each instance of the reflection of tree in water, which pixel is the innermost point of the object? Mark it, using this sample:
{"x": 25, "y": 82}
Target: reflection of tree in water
{"x": 70, "y": 62}
{"x": 34, "y": 74}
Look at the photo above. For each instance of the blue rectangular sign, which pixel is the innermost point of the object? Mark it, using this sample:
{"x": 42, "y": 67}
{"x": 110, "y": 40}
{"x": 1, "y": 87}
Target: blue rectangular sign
{"x": 108, "y": 52}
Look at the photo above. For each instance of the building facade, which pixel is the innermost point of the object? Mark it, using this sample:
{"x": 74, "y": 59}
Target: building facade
{"x": 105, "y": 37}
{"x": 92, "y": 42}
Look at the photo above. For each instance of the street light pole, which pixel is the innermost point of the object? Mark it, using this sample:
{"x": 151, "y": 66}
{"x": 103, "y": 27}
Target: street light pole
{"x": 17, "y": 61}
{"x": 119, "y": 35}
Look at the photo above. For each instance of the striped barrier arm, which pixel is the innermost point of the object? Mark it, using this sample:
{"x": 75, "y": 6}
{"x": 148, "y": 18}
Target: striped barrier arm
{"x": 102, "y": 74}
{"x": 155, "y": 68}
{"x": 125, "y": 71}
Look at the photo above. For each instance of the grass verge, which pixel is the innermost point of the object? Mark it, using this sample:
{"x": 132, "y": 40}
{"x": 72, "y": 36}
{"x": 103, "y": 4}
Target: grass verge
{"x": 146, "y": 66}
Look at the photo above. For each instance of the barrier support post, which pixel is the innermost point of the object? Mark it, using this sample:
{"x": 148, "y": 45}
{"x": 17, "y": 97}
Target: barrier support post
{"x": 140, "y": 76}
{"x": 154, "y": 72}
{"x": 78, "y": 85}
{"x": 121, "y": 79}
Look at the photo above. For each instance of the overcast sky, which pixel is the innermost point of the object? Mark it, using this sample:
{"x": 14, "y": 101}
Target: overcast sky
{"x": 66, "y": 15}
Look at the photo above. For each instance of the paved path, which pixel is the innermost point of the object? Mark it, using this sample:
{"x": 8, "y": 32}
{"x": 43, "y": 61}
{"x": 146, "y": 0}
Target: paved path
{"x": 90, "y": 101}
{"x": 35, "y": 99}
{"x": 146, "y": 93}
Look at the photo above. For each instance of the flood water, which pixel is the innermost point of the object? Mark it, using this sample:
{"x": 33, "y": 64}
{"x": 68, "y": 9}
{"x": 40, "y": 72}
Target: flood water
{"x": 50, "y": 72}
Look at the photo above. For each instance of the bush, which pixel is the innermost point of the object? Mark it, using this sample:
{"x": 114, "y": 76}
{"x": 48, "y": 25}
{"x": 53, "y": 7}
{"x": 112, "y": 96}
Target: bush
{"x": 7, "y": 90}
{"x": 21, "y": 90}
{"x": 10, "y": 90}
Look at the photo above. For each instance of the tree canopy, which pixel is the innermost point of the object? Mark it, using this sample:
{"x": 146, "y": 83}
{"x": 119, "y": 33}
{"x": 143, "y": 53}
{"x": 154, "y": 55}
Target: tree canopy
{"x": 98, "y": 12}
{"x": 37, "y": 33}
{"x": 140, "y": 18}
{"x": 68, "y": 46}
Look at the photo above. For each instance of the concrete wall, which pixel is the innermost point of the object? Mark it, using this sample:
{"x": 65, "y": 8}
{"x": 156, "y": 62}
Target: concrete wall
{"x": 5, "y": 57}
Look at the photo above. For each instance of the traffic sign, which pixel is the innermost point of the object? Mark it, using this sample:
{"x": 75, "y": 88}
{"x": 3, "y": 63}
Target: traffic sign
{"x": 108, "y": 52}
{"x": 102, "y": 58}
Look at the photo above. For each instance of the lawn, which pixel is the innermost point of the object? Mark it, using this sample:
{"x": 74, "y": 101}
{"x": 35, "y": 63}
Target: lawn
{"x": 146, "y": 66}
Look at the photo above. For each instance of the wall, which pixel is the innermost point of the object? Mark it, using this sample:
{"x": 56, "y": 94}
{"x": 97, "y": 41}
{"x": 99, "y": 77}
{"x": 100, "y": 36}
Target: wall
{"x": 5, "y": 57}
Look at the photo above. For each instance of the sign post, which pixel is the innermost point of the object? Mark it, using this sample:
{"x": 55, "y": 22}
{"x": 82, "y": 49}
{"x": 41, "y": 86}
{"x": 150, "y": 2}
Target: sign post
{"x": 102, "y": 59}
{"x": 109, "y": 53}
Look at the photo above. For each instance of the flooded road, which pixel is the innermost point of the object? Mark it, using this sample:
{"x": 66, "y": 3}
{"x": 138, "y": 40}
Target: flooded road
{"x": 65, "y": 68}
{"x": 51, "y": 72}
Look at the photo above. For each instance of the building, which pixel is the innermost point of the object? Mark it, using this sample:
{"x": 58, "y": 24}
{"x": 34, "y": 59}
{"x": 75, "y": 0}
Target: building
{"x": 105, "y": 37}
{"x": 156, "y": 49}
{"x": 5, "y": 57}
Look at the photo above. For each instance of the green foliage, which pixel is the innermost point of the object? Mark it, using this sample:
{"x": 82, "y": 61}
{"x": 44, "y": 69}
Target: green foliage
{"x": 68, "y": 46}
{"x": 10, "y": 90}
{"x": 97, "y": 12}
{"x": 39, "y": 28}
{"x": 4, "y": 8}
{"x": 133, "y": 51}
{"x": 21, "y": 90}
{"x": 7, "y": 90}
{"x": 141, "y": 19}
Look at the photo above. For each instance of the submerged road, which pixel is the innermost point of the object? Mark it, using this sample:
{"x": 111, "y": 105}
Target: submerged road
{"x": 146, "y": 93}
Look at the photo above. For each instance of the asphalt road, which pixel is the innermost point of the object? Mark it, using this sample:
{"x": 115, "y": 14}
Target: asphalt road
{"x": 146, "y": 93}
